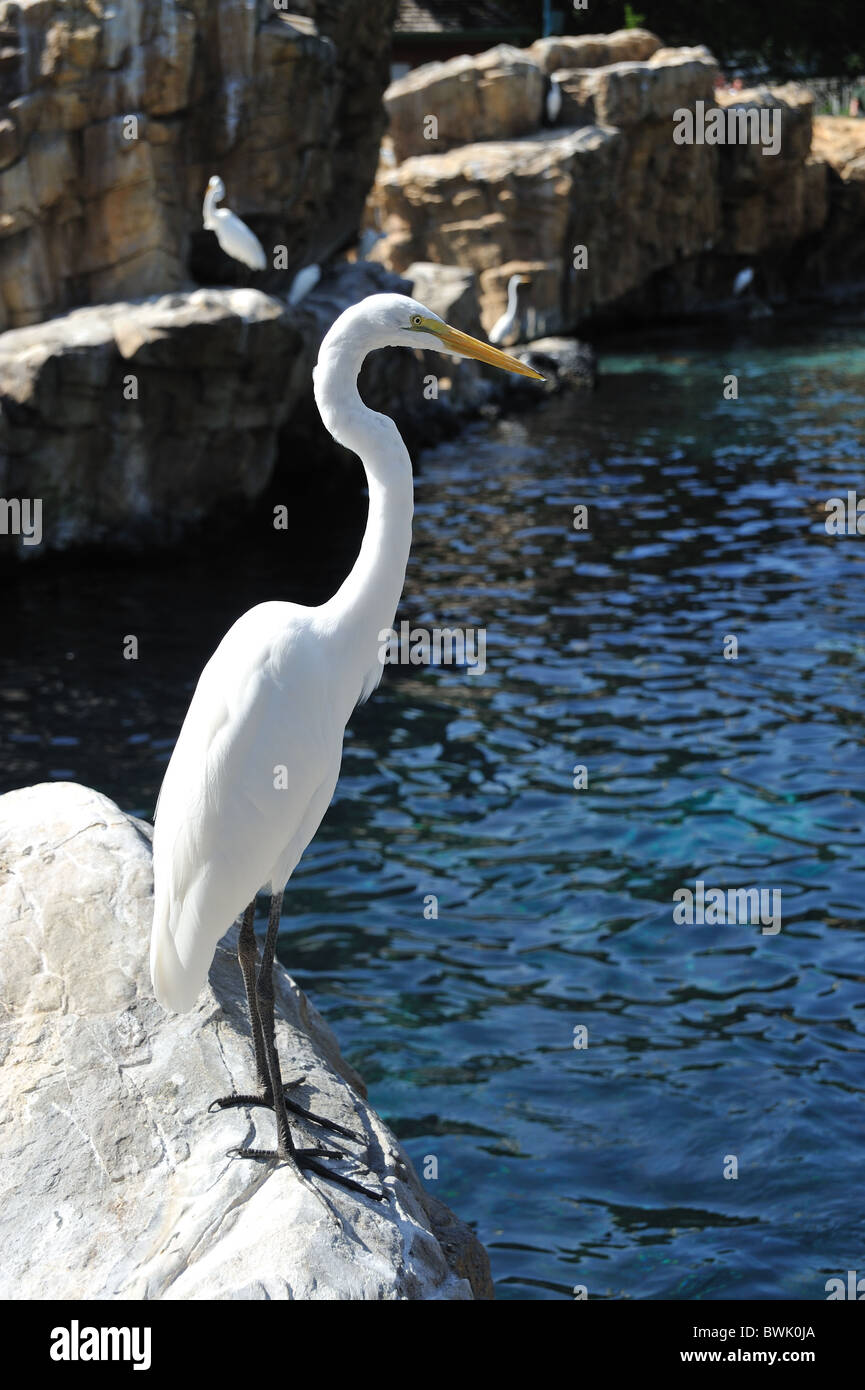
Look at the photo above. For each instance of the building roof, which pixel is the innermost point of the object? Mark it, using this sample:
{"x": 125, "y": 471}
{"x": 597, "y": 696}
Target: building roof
{"x": 415, "y": 17}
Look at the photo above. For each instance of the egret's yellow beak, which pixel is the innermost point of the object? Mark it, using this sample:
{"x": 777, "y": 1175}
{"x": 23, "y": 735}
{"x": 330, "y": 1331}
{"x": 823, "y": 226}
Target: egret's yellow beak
{"x": 452, "y": 340}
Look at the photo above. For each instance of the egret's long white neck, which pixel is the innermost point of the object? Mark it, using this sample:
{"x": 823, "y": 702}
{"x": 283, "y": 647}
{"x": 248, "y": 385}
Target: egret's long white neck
{"x": 513, "y": 287}
{"x": 365, "y": 604}
{"x": 211, "y": 198}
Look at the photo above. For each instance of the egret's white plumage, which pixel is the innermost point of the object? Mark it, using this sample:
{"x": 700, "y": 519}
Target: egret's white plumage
{"x": 304, "y": 281}
{"x": 743, "y": 280}
{"x": 554, "y": 101}
{"x": 504, "y": 326}
{"x": 236, "y": 239}
{"x": 272, "y": 703}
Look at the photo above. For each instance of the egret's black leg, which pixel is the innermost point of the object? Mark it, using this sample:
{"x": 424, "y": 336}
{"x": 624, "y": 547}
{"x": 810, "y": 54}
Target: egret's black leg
{"x": 247, "y": 955}
{"x": 285, "y": 1149}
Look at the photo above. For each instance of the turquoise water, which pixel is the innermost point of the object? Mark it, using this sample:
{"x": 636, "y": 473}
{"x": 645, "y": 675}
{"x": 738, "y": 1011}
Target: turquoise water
{"x": 602, "y": 1166}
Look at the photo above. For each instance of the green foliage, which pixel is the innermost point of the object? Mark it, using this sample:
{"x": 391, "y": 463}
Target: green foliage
{"x": 632, "y": 19}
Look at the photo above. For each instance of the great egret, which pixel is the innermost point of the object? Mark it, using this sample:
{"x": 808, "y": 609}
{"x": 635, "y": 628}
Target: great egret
{"x": 553, "y": 102}
{"x": 305, "y": 280}
{"x": 503, "y": 327}
{"x": 743, "y": 280}
{"x": 258, "y": 756}
{"x": 235, "y": 238}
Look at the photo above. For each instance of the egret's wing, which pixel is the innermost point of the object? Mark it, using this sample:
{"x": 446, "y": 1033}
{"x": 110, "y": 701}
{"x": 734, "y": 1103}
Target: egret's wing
{"x": 238, "y": 240}
{"x": 254, "y": 765}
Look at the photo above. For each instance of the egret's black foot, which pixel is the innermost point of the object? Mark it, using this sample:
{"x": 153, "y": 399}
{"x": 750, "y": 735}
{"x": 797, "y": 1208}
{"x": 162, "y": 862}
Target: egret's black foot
{"x": 265, "y": 1098}
{"x": 308, "y": 1161}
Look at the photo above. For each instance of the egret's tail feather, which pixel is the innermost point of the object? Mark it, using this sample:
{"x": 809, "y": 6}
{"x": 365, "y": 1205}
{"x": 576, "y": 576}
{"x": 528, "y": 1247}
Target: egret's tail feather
{"x": 177, "y": 982}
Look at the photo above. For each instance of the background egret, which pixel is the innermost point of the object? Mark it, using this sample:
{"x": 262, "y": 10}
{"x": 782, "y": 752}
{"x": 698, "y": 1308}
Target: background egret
{"x": 553, "y": 102}
{"x": 276, "y": 696}
{"x": 504, "y": 326}
{"x": 235, "y": 238}
{"x": 305, "y": 280}
{"x": 743, "y": 280}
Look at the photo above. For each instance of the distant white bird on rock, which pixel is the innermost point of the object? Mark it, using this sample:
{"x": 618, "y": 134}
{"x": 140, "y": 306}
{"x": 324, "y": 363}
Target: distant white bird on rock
{"x": 743, "y": 280}
{"x": 369, "y": 236}
{"x": 234, "y": 236}
{"x": 503, "y": 327}
{"x": 554, "y": 101}
{"x": 304, "y": 281}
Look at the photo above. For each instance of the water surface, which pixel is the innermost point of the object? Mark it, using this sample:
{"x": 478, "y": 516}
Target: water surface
{"x": 603, "y": 1166}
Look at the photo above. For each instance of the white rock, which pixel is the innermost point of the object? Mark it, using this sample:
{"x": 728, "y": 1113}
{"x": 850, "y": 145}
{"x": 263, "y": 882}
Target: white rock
{"x": 116, "y": 1182}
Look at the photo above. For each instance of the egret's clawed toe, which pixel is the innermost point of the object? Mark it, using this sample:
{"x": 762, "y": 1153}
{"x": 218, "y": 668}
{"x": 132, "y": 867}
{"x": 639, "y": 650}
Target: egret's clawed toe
{"x": 265, "y": 1099}
{"x": 307, "y": 1160}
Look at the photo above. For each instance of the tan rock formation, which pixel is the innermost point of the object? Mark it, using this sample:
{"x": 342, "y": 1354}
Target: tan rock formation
{"x": 772, "y": 200}
{"x": 492, "y": 95}
{"x": 608, "y": 178}
{"x": 839, "y": 142}
{"x": 114, "y": 117}
{"x": 594, "y": 50}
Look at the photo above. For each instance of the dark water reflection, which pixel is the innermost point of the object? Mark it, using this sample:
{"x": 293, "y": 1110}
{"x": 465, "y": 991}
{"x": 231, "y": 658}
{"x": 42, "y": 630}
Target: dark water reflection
{"x": 602, "y": 1166}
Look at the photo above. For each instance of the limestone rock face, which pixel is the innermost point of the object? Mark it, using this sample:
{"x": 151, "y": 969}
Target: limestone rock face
{"x": 629, "y": 94}
{"x": 132, "y": 423}
{"x": 112, "y": 119}
{"x": 489, "y": 96}
{"x": 772, "y": 200}
{"x": 597, "y": 208}
{"x": 594, "y": 50}
{"x": 449, "y": 291}
{"x": 839, "y": 143}
{"x": 116, "y": 1182}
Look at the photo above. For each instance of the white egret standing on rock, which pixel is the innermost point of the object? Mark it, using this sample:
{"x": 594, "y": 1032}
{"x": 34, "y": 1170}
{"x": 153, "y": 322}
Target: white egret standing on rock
{"x": 554, "y": 101}
{"x": 235, "y": 238}
{"x": 743, "y": 280}
{"x": 258, "y": 756}
{"x": 304, "y": 281}
{"x": 504, "y": 326}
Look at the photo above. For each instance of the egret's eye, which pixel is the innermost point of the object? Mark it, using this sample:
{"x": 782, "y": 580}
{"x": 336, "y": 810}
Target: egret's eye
{"x": 416, "y": 321}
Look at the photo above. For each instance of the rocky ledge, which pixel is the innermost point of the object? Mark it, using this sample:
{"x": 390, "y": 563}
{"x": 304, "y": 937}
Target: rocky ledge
{"x": 606, "y": 213}
{"x": 116, "y": 1180}
{"x": 132, "y": 424}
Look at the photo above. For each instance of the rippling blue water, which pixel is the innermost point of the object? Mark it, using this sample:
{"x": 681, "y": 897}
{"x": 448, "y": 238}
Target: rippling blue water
{"x": 601, "y": 1167}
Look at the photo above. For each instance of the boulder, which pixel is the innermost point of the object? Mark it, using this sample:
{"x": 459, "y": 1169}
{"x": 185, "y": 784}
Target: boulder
{"x": 113, "y": 117}
{"x": 131, "y": 422}
{"x": 449, "y": 290}
{"x": 635, "y": 203}
{"x": 135, "y": 422}
{"x": 563, "y": 362}
{"x": 117, "y": 1184}
{"x": 487, "y": 96}
{"x": 630, "y": 94}
{"x": 594, "y": 50}
{"x": 777, "y": 199}
{"x": 839, "y": 145}
{"x": 606, "y": 213}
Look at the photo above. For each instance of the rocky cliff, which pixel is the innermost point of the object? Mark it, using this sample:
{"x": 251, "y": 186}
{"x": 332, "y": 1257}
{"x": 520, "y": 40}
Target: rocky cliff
{"x": 603, "y": 210}
{"x": 112, "y": 119}
{"x": 117, "y": 1183}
